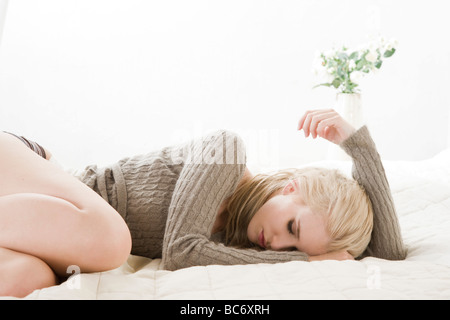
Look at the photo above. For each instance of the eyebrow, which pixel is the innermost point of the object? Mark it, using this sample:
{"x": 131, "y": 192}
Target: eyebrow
{"x": 298, "y": 228}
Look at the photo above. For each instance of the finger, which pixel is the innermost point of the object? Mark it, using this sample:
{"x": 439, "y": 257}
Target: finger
{"x": 313, "y": 119}
{"x": 323, "y": 130}
{"x": 307, "y": 123}
{"x": 326, "y": 131}
{"x": 317, "y": 119}
{"x": 329, "y": 129}
{"x": 301, "y": 121}
{"x": 326, "y": 124}
{"x": 308, "y": 120}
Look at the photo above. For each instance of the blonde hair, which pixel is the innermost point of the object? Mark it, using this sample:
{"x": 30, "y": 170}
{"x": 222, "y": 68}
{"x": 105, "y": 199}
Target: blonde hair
{"x": 326, "y": 191}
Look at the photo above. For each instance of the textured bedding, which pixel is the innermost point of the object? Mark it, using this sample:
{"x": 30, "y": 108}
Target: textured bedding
{"x": 421, "y": 192}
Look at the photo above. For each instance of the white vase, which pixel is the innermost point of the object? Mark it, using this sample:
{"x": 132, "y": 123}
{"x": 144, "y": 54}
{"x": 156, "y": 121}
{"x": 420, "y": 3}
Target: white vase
{"x": 349, "y": 106}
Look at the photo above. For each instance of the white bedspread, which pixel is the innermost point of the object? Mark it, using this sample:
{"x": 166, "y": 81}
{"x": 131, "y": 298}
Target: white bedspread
{"x": 421, "y": 192}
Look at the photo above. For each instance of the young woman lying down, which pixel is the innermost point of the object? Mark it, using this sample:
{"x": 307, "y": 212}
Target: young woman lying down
{"x": 191, "y": 204}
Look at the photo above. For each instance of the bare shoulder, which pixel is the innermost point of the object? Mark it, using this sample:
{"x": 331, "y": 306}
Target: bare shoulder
{"x": 7, "y": 140}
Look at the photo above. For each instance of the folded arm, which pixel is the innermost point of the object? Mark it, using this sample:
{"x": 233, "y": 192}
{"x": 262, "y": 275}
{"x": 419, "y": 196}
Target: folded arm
{"x": 202, "y": 187}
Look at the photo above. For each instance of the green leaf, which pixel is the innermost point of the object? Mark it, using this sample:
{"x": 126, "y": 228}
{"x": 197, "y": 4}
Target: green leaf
{"x": 353, "y": 55}
{"x": 360, "y": 64}
{"x": 389, "y": 53}
{"x": 336, "y": 83}
{"x": 340, "y": 71}
{"x": 322, "y": 84}
{"x": 378, "y": 64}
{"x": 342, "y": 55}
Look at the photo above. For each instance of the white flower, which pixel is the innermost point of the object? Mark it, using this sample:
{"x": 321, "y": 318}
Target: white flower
{"x": 322, "y": 74}
{"x": 318, "y": 69}
{"x": 325, "y": 76}
{"x": 356, "y": 76}
{"x": 371, "y": 56}
{"x": 393, "y": 42}
{"x": 330, "y": 53}
{"x": 351, "y": 65}
{"x": 389, "y": 45}
{"x": 318, "y": 64}
{"x": 372, "y": 46}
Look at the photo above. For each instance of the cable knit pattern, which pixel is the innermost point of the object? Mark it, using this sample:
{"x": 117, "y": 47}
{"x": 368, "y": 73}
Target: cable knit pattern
{"x": 200, "y": 190}
{"x": 140, "y": 188}
{"x": 170, "y": 198}
{"x": 386, "y": 241}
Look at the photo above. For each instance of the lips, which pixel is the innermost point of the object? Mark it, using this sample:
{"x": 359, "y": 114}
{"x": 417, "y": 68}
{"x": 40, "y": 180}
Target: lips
{"x": 261, "y": 240}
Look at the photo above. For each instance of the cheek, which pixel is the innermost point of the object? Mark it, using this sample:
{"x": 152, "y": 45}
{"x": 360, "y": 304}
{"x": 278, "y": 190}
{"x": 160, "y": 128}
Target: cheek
{"x": 271, "y": 215}
{"x": 275, "y": 212}
{"x": 257, "y": 222}
{"x": 265, "y": 217}
{"x": 315, "y": 239}
{"x": 251, "y": 226}
{"x": 315, "y": 250}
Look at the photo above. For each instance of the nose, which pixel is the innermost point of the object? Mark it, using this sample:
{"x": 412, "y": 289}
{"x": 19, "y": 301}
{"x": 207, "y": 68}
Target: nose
{"x": 278, "y": 243}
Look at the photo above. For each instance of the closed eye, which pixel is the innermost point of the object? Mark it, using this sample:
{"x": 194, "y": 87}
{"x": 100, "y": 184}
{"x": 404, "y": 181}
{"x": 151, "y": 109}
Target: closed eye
{"x": 289, "y": 226}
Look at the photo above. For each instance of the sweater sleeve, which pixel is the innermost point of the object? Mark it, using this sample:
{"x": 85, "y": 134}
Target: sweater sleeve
{"x": 386, "y": 241}
{"x": 215, "y": 167}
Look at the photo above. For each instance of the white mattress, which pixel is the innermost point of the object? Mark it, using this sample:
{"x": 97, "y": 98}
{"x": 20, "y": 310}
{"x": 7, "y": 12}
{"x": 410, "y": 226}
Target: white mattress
{"x": 421, "y": 192}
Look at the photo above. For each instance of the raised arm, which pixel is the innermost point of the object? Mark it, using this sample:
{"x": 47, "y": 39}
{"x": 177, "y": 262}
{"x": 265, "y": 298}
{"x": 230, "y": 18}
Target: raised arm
{"x": 386, "y": 241}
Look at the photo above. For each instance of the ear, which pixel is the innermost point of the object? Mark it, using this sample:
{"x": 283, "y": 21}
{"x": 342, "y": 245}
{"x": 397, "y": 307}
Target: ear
{"x": 290, "y": 187}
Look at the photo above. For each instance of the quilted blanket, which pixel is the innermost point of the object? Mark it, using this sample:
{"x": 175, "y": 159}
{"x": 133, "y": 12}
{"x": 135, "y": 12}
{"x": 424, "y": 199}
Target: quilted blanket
{"x": 421, "y": 193}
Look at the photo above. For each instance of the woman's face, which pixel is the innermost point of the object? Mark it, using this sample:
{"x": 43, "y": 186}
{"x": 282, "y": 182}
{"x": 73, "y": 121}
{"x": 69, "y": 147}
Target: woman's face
{"x": 286, "y": 223}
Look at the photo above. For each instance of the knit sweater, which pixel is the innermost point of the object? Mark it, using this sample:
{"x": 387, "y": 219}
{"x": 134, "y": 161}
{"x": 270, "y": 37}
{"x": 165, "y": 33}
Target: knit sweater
{"x": 170, "y": 198}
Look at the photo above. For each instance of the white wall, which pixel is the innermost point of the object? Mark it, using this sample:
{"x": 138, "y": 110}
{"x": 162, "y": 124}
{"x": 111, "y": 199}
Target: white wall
{"x": 96, "y": 80}
{"x": 3, "y": 8}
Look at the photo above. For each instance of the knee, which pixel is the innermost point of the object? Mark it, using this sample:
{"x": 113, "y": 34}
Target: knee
{"x": 109, "y": 247}
{"x": 116, "y": 245}
{"x": 21, "y": 274}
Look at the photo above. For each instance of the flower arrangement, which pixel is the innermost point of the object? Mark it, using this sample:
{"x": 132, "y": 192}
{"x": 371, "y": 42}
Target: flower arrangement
{"x": 343, "y": 69}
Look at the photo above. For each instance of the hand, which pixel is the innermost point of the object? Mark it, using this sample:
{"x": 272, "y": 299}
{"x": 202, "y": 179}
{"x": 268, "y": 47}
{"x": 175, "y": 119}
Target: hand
{"x": 327, "y": 124}
{"x": 336, "y": 255}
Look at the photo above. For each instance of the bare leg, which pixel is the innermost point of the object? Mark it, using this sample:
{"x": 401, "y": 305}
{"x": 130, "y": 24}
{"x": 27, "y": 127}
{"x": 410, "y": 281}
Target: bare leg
{"x": 46, "y": 213}
{"x": 57, "y": 232}
{"x": 21, "y": 274}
